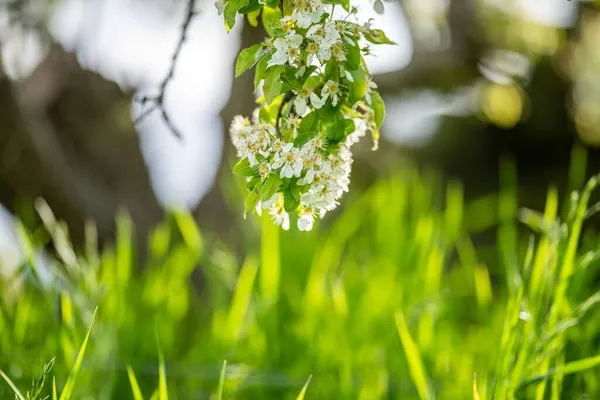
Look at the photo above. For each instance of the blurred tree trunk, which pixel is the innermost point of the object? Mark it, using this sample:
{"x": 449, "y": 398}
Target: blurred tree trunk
{"x": 67, "y": 137}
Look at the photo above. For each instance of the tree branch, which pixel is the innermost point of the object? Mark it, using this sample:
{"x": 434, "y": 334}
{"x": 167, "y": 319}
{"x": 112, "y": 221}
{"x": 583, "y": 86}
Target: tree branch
{"x": 286, "y": 98}
{"x": 159, "y": 100}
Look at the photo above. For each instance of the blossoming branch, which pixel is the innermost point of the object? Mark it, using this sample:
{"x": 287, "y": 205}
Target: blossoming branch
{"x": 317, "y": 100}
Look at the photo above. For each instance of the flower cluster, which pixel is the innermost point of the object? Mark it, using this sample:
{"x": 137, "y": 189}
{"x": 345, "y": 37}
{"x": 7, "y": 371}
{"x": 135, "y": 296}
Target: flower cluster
{"x": 317, "y": 177}
{"x": 317, "y": 101}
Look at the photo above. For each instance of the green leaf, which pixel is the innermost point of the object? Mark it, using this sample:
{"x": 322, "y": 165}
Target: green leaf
{"x": 253, "y": 18}
{"x": 348, "y": 126}
{"x": 290, "y": 201}
{"x": 54, "y": 391}
{"x": 331, "y": 70}
{"x": 231, "y": 10}
{"x": 222, "y": 381}
{"x": 309, "y": 123}
{"x": 135, "y": 387}
{"x": 273, "y": 85}
{"x": 243, "y": 168}
{"x": 358, "y": 88}
{"x": 304, "y": 137}
{"x": 376, "y": 36}
{"x": 253, "y": 182}
{"x": 248, "y": 57}
{"x": 260, "y": 71}
{"x": 252, "y": 7}
{"x": 378, "y": 108}
{"x": 269, "y": 187}
{"x": 303, "y": 392}
{"x": 70, "y": 384}
{"x": 251, "y": 201}
{"x": 269, "y": 16}
{"x": 289, "y": 77}
{"x": 353, "y": 56}
{"x": 312, "y": 81}
{"x": 288, "y": 8}
{"x": 335, "y": 131}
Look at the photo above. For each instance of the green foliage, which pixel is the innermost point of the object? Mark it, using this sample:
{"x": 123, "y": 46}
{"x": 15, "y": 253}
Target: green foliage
{"x": 392, "y": 300}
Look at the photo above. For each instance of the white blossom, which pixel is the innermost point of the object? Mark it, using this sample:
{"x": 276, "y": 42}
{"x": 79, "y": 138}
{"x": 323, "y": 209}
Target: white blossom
{"x": 290, "y": 163}
{"x": 302, "y": 99}
{"x": 287, "y": 49}
{"x": 330, "y": 89}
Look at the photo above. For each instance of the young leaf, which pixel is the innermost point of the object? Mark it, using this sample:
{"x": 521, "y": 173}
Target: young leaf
{"x": 260, "y": 71}
{"x": 378, "y": 108}
{"x": 290, "y": 201}
{"x": 304, "y": 137}
{"x": 231, "y": 10}
{"x": 252, "y": 7}
{"x": 376, "y": 36}
{"x": 288, "y": 8}
{"x": 273, "y": 85}
{"x": 269, "y": 16}
{"x": 358, "y": 88}
{"x": 269, "y": 188}
{"x": 247, "y": 58}
{"x": 253, "y": 18}
{"x": 353, "y": 56}
{"x": 309, "y": 123}
{"x": 243, "y": 168}
{"x": 251, "y": 201}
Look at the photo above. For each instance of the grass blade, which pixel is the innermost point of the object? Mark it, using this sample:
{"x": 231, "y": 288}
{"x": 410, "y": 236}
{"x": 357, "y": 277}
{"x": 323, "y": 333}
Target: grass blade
{"x": 135, "y": 387}
{"x": 415, "y": 362}
{"x": 54, "y": 392}
{"x": 12, "y": 385}
{"x": 163, "y": 394}
{"x": 70, "y": 384}
{"x": 222, "y": 381}
{"x": 303, "y": 392}
{"x": 241, "y": 299}
{"x": 566, "y": 369}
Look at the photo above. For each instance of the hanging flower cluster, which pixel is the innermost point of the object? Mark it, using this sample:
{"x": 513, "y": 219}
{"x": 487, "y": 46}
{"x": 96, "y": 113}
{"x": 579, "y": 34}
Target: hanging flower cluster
{"x": 317, "y": 101}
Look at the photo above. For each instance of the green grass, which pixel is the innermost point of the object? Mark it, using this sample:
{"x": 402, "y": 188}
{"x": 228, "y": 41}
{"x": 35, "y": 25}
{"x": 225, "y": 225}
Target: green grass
{"x": 395, "y": 298}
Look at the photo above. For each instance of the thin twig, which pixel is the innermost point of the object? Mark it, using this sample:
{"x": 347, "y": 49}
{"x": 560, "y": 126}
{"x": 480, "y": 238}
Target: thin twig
{"x": 286, "y": 98}
{"x": 159, "y": 100}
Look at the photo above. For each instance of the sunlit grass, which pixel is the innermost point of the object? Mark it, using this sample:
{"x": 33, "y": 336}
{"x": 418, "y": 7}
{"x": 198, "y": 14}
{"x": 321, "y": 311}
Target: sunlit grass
{"x": 394, "y": 300}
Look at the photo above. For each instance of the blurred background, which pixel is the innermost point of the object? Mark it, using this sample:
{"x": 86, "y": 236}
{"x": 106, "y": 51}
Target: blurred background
{"x": 470, "y": 85}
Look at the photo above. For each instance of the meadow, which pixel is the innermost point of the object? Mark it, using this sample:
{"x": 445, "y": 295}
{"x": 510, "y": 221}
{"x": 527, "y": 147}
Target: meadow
{"x": 392, "y": 298}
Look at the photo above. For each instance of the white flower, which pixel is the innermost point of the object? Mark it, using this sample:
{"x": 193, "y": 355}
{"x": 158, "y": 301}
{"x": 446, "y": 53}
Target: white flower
{"x": 371, "y": 86}
{"x": 330, "y": 89}
{"x": 287, "y": 49}
{"x": 311, "y": 161}
{"x": 324, "y": 34}
{"x": 220, "y": 6}
{"x": 290, "y": 162}
{"x": 280, "y": 216}
{"x": 301, "y": 100}
{"x": 306, "y": 220}
{"x": 307, "y": 12}
{"x": 338, "y": 52}
{"x": 360, "y": 130}
{"x": 320, "y": 49}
